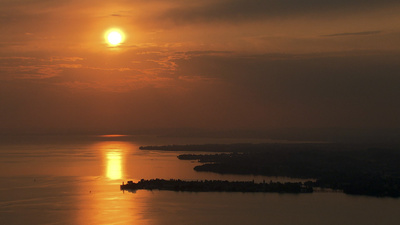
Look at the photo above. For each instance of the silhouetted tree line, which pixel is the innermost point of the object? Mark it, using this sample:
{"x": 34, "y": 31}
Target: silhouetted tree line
{"x": 217, "y": 186}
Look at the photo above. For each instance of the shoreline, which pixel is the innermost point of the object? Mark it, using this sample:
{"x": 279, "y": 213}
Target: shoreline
{"x": 217, "y": 186}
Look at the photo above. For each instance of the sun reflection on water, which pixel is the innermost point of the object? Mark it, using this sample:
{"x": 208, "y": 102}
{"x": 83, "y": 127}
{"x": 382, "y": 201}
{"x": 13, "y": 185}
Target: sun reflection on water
{"x": 114, "y": 165}
{"x": 113, "y": 154}
{"x": 100, "y": 200}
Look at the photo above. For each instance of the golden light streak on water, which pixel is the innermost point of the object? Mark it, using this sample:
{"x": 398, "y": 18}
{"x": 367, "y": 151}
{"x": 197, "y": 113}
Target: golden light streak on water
{"x": 113, "y": 155}
{"x": 114, "y": 165}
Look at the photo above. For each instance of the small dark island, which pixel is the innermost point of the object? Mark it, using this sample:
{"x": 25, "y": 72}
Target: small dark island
{"x": 217, "y": 186}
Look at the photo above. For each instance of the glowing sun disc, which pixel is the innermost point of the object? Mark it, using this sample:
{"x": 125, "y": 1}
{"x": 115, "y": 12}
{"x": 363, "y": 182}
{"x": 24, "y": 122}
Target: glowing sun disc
{"x": 114, "y": 38}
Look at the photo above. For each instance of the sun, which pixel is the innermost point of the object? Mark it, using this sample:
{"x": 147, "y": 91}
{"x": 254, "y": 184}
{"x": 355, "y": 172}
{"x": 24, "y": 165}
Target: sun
{"x": 114, "y": 37}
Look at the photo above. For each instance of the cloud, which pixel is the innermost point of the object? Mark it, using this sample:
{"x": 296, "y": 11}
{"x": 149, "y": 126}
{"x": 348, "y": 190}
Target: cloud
{"x": 354, "y": 33}
{"x": 210, "y": 52}
{"x": 245, "y": 10}
{"x": 65, "y": 59}
{"x": 348, "y": 89}
{"x": 353, "y": 88}
{"x": 197, "y": 79}
{"x": 22, "y": 67}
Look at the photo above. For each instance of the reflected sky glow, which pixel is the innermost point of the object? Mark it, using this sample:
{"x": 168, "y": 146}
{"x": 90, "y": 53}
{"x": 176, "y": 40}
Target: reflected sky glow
{"x": 112, "y": 135}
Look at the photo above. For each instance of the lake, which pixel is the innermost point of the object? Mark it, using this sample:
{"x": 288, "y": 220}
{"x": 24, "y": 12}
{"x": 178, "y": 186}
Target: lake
{"x": 75, "y": 180}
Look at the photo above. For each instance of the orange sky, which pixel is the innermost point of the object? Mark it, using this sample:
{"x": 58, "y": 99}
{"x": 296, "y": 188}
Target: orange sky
{"x": 220, "y": 64}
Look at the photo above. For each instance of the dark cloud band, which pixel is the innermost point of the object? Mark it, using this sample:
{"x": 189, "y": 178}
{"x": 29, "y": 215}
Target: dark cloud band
{"x": 244, "y": 10}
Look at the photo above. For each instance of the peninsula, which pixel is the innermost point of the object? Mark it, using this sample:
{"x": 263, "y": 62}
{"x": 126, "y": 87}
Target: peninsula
{"x": 217, "y": 186}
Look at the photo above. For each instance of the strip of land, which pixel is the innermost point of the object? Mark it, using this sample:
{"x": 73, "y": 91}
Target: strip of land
{"x": 217, "y": 186}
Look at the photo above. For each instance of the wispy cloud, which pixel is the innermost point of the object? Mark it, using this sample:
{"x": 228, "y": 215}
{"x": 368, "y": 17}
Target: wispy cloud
{"x": 21, "y": 67}
{"x": 122, "y": 85}
{"x": 196, "y": 79}
{"x": 65, "y": 59}
{"x": 210, "y": 52}
{"x": 354, "y": 33}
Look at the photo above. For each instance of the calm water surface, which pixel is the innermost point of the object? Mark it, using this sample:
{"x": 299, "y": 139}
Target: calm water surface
{"x": 75, "y": 180}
